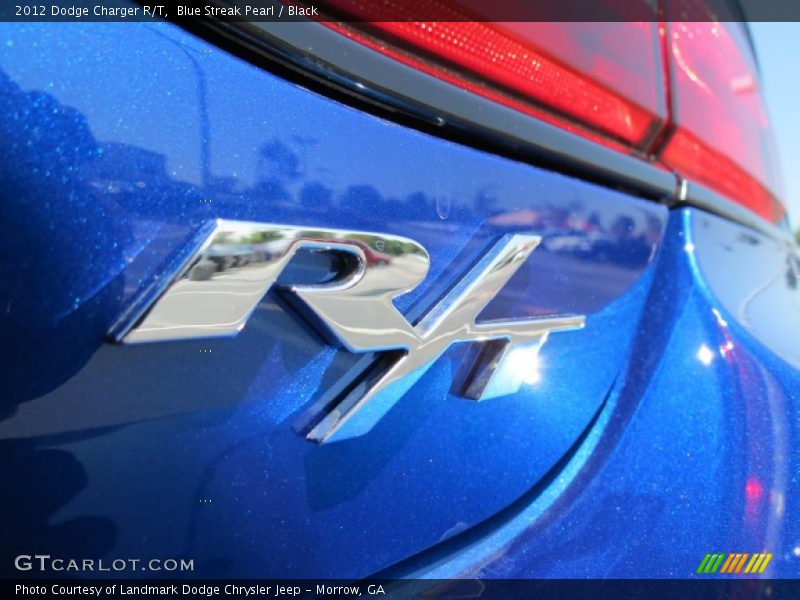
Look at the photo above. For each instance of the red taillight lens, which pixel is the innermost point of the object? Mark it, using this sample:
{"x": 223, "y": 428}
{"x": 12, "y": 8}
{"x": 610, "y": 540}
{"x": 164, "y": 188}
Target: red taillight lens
{"x": 631, "y": 86}
{"x": 605, "y": 78}
{"x": 505, "y": 56}
{"x": 722, "y": 138}
{"x": 624, "y": 57}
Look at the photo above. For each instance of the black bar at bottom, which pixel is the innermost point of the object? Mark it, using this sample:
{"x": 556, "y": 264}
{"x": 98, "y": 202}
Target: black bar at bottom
{"x": 383, "y": 589}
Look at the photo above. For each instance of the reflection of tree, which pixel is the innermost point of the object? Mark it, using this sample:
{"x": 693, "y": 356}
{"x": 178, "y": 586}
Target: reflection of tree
{"x": 314, "y": 234}
{"x": 487, "y": 200}
{"x": 420, "y": 203}
{"x": 280, "y": 166}
{"x": 316, "y": 197}
{"x": 260, "y": 237}
{"x": 364, "y": 199}
{"x": 797, "y": 236}
{"x": 387, "y": 246}
{"x": 278, "y": 163}
{"x": 623, "y": 227}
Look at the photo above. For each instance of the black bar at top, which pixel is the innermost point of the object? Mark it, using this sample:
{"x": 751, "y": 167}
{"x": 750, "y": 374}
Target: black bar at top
{"x": 399, "y": 10}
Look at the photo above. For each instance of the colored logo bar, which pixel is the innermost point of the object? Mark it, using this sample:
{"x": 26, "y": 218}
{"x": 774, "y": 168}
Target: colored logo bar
{"x": 734, "y": 563}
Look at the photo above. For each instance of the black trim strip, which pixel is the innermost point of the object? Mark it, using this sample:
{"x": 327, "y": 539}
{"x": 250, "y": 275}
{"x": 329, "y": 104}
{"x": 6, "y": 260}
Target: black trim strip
{"x": 696, "y": 195}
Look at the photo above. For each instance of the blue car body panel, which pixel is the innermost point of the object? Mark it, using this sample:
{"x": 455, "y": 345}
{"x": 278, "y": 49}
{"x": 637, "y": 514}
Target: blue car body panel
{"x": 643, "y": 442}
{"x": 696, "y": 450}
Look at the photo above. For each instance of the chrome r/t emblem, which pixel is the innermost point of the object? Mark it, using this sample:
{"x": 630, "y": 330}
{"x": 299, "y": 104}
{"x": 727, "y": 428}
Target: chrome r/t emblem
{"x": 226, "y": 278}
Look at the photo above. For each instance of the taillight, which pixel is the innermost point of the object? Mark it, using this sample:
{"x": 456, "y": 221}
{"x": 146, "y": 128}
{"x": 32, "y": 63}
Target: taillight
{"x": 605, "y": 79}
{"x": 684, "y": 95}
{"x": 722, "y": 137}
{"x": 505, "y": 57}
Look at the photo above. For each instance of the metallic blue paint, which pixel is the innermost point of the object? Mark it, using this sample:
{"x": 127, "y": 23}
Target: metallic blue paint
{"x": 119, "y": 142}
{"x": 696, "y": 450}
